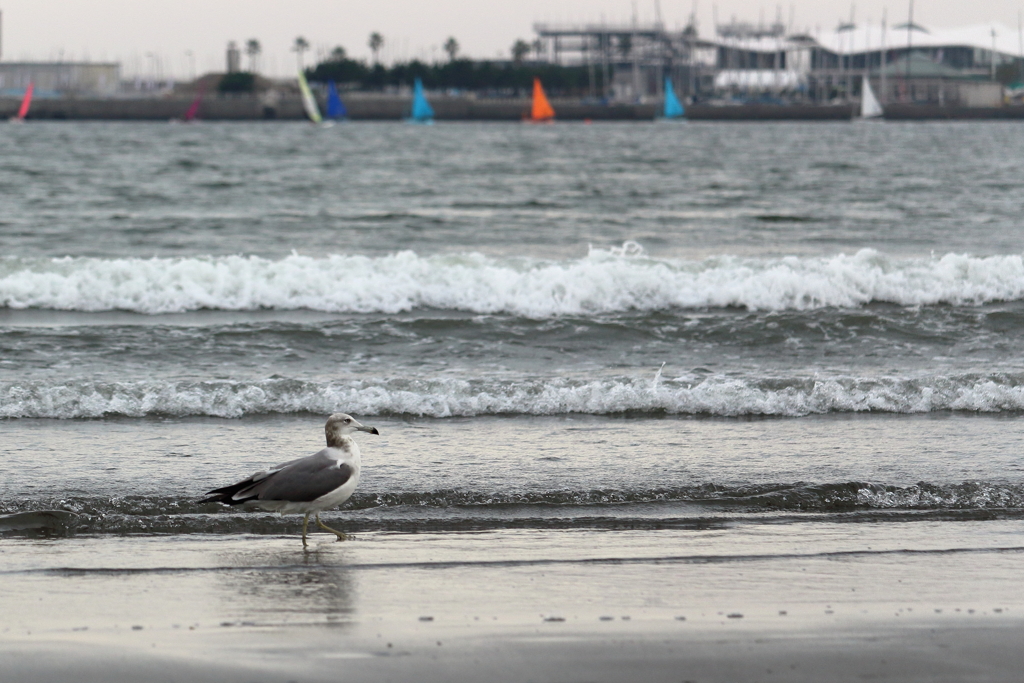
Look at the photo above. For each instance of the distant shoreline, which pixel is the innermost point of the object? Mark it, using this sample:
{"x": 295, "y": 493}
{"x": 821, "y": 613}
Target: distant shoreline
{"x": 367, "y": 107}
{"x": 375, "y": 107}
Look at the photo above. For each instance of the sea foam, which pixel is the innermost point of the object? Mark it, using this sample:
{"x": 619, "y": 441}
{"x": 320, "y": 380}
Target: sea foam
{"x": 720, "y": 396}
{"x": 603, "y": 281}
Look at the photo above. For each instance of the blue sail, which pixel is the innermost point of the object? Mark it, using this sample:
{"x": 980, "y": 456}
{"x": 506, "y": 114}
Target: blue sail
{"x": 335, "y": 107}
{"x": 421, "y": 109}
{"x": 673, "y": 107}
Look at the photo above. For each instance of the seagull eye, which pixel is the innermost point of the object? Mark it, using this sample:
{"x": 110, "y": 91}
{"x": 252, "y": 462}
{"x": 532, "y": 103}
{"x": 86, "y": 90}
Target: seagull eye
{"x": 347, "y": 420}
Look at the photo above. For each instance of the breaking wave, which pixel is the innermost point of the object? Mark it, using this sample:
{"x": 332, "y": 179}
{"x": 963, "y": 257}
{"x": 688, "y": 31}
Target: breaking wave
{"x": 604, "y": 281}
{"x": 716, "y": 396}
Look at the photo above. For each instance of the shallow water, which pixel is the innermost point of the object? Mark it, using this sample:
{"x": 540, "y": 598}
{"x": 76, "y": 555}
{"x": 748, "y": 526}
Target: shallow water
{"x": 126, "y": 477}
{"x": 608, "y": 326}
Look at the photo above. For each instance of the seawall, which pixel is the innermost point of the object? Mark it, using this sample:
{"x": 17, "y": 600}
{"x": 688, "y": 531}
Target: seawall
{"x": 770, "y": 112}
{"x": 360, "y": 107}
{"x": 925, "y": 112}
{"x": 377, "y": 107}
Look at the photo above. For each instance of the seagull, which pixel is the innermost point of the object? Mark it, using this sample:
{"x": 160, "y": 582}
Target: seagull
{"x": 317, "y": 482}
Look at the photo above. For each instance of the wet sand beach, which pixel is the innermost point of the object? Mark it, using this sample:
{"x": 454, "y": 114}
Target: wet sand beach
{"x": 517, "y": 605}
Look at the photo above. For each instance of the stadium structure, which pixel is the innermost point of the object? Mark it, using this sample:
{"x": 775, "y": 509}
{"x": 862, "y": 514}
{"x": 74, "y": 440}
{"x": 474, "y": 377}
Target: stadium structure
{"x": 905, "y": 63}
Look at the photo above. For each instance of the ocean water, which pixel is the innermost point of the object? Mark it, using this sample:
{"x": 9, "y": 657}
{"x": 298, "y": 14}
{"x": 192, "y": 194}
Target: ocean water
{"x": 609, "y": 326}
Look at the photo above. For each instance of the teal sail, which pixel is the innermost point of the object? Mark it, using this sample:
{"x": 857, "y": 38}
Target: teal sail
{"x": 335, "y": 107}
{"x": 422, "y": 112}
{"x": 673, "y": 107}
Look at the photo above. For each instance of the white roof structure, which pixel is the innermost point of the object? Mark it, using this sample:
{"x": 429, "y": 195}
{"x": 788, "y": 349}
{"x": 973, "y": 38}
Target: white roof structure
{"x": 869, "y": 37}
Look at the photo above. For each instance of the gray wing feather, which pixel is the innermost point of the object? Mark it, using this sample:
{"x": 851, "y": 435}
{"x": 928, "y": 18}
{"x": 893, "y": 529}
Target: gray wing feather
{"x": 292, "y": 462}
{"x": 301, "y": 481}
{"x": 260, "y": 476}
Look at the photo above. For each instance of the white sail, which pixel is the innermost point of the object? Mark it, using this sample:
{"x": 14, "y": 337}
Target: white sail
{"x": 308, "y": 101}
{"x": 870, "y": 107}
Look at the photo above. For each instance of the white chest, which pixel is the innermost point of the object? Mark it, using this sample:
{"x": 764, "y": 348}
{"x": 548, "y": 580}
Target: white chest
{"x": 349, "y": 457}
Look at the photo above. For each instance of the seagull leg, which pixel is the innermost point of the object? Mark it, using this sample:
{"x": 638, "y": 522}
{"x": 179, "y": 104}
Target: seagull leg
{"x": 340, "y": 534}
{"x": 305, "y": 521}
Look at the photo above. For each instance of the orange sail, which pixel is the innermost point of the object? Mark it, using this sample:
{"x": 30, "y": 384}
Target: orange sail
{"x": 542, "y": 110}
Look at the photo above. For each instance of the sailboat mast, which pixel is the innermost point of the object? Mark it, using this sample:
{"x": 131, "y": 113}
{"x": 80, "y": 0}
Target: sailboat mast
{"x": 883, "y": 61}
{"x": 910, "y": 30}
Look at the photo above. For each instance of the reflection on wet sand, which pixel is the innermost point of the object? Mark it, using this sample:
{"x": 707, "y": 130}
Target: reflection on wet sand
{"x": 282, "y": 585}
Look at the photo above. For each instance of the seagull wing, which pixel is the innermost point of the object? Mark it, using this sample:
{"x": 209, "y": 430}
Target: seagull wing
{"x": 300, "y": 481}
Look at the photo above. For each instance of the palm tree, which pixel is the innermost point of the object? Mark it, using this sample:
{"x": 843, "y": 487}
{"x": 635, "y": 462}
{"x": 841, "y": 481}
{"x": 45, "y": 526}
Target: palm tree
{"x": 338, "y": 54}
{"x": 520, "y": 49}
{"x": 451, "y": 46}
{"x": 299, "y": 47}
{"x": 253, "y": 50}
{"x": 376, "y": 43}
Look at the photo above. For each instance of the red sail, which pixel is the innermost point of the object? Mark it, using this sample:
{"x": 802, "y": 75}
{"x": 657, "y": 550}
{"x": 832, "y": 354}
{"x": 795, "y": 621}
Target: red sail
{"x": 193, "y": 108}
{"x": 26, "y": 101}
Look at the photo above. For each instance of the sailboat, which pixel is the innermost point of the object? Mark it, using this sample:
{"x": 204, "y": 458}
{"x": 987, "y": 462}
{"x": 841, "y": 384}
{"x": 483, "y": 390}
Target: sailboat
{"x": 335, "y": 107}
{"x": 870, "y": 107}
{"x": 422, "y": 112}
{"x": 541, "y": 111}
{"x": 673, "y": 107}
{"x": 308, "y": 101}
{"x": 26, "y": 102}
{"x": 193, "y": 109}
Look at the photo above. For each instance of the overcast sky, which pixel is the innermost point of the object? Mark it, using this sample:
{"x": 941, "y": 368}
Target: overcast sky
{"x": 151, "y": 35}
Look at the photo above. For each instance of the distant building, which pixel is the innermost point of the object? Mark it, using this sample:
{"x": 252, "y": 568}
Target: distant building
{"x": 904, "y": 63}
{"x": 932, "y": 82}
{"x": 234, "y": 58}
{"x": 630, "y": 60}
{"x": 93, "y": 79}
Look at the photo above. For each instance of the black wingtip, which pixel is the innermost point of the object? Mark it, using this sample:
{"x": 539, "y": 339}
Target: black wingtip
{"x": 226, "y": 494}
{"x": 373, "y": 430}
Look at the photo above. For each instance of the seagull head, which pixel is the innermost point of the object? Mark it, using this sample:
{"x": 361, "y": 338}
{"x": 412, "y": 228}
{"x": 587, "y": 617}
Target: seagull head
{"x": 340, "y": 424}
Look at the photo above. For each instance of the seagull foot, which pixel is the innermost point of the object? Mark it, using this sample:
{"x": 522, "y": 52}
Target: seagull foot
{"x": 340, "y": 534}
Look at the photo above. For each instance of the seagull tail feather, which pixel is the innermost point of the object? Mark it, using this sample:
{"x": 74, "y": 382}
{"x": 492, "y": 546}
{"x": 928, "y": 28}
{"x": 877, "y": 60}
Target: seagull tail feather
{"x": 226, "y": 494}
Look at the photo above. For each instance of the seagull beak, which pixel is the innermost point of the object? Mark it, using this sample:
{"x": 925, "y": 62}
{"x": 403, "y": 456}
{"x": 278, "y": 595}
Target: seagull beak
{"x": 369, "y": 430}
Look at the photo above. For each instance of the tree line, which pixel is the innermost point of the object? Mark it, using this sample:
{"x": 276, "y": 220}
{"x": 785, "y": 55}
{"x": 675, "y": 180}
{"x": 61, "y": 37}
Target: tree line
{"x": 458, "y": 74}
{"x": 493, "y": 76}
{"x": 497, "y": 77}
